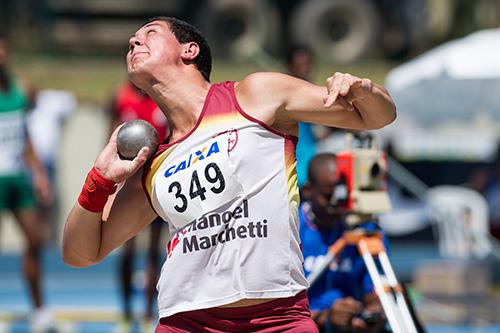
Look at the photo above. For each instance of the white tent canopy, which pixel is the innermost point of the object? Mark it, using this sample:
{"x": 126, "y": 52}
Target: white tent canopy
{"x": 473, "y": 57}
{"x": 448, "y": 101}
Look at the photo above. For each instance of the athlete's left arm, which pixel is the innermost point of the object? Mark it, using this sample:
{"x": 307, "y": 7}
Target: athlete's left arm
{"x": 346, "y": 101}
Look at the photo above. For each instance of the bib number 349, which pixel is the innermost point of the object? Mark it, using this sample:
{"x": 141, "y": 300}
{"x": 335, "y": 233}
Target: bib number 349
{"x": 212, "y": 174}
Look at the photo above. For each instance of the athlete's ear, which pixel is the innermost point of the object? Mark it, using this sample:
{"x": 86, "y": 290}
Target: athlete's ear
{"x": 190, "y": 51}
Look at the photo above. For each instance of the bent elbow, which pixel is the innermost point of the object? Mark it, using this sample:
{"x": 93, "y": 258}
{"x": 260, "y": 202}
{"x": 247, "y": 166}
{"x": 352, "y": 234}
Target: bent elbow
{"x": 75, "y": 263}
{"x": 70, "y": 258}
{"x": 387, "y": 120}
{"x": 393, "y": 115}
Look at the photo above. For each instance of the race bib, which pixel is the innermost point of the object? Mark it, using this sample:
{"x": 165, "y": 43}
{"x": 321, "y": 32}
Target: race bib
{"x": 199, "y": 182}
{"x": 12, "y": 141}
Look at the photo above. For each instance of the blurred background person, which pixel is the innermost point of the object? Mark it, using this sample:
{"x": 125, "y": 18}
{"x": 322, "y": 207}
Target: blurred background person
{"x": 46, "y": 119}
{"x": 131, "y": 103}
{"x": 18, "y": 193}
{"x": 300, "y": 63}
{"x": 343, "y": 295}
{"x": 485, "y": 179}
{"x": 343, "y": 298}
{"x": 492, "y": 194}
{"x": 312, "y": 138}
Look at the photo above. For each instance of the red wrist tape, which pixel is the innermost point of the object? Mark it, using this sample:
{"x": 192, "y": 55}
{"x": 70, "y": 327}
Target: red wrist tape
{"x": 95, "y": 191}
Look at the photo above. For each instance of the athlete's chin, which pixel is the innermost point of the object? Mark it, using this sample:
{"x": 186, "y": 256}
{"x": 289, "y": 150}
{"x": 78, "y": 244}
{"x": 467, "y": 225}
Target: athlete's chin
{"x": 134, "y": 68}
{"x": 137, "y": 72}
{"x": 138, "y": 65}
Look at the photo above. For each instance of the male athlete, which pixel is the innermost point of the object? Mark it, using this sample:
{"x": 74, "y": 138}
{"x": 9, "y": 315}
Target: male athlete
{"x": 225, "y": 182}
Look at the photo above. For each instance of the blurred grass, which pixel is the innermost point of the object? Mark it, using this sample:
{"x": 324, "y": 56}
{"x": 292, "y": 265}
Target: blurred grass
{"x": 94, "y": 79}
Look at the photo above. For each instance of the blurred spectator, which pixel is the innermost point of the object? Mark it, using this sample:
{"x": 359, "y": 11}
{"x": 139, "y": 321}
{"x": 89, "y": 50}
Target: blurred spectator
{"x": 478, "y": 179}
{"x": 485, "y": 179}
{"x": 17, "y": 191}
{"x": 131, "y": 103}
{"x": 300, "y": 63}
{"x": 342, "y": 297}
{"x": 312, "y": 138}
{"x": 45, "y": 124}
{"x": 492, "y": 194}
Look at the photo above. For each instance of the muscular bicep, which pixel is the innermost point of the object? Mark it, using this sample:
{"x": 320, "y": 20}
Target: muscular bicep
{"x": 130, "y": 212}
{"x": 282, "y": 101}
{"x": 304, "y": 102}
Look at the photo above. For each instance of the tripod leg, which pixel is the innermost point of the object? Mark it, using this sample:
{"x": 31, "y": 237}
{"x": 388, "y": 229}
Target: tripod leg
{"x": 400, "y": 300}
{"x": 330, "y": 256}
{"x": 316, "y": 273}
{"x": 388, "y": 302}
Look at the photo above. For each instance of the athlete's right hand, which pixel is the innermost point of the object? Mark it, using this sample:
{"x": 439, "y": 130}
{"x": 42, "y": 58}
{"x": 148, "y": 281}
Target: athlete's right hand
{"x": 110, "y": 165}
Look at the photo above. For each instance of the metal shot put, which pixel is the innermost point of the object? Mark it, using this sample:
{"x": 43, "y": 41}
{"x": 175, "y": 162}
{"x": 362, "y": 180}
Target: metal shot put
{"x": 134, "y": 135}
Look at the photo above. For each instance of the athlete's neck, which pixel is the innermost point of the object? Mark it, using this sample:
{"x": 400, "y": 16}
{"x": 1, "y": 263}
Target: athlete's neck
{"x": 181, "y": 100}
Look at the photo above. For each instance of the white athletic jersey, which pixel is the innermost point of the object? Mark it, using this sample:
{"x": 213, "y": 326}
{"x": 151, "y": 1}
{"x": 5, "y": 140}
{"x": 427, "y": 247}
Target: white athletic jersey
{"x": 46, "y": 120}
{"x": 228, "y": 190}
{"x": 12, "y": 130}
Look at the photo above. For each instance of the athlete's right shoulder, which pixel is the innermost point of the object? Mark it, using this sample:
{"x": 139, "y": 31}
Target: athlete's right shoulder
{"x": 262, "y": 80}
{"x": 266, "y": 87}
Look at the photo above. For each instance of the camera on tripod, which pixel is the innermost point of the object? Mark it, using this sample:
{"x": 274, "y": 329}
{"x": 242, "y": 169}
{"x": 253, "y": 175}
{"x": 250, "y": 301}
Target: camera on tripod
{"x": 361, "y": 172}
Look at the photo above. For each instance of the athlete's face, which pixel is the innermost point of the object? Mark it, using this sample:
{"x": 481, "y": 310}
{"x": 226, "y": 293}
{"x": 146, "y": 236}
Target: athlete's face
{"x": 152, "y": 46}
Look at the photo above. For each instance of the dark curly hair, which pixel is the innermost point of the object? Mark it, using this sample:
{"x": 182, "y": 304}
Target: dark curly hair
{"x": 185, "y": 32}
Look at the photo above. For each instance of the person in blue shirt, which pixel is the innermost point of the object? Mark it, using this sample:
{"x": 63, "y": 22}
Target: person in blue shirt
{"x": 343, "y": 296}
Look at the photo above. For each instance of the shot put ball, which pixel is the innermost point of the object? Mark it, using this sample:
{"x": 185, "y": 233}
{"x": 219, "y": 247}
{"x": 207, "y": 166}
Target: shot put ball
{"x": 134, "y": 135}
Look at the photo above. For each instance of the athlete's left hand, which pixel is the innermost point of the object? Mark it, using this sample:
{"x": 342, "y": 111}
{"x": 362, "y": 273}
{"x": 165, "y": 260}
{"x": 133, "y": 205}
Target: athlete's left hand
{"x": 344, "y": 89}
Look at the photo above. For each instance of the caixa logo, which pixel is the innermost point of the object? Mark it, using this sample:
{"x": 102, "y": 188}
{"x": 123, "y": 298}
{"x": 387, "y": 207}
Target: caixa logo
{"x": 198, "y": 155}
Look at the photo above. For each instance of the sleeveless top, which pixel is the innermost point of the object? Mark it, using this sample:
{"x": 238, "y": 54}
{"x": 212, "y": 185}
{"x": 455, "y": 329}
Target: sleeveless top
{"x": 132, "y": 104}
{"x": 13, "y": 104}
{"x": 228, "y": 190}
